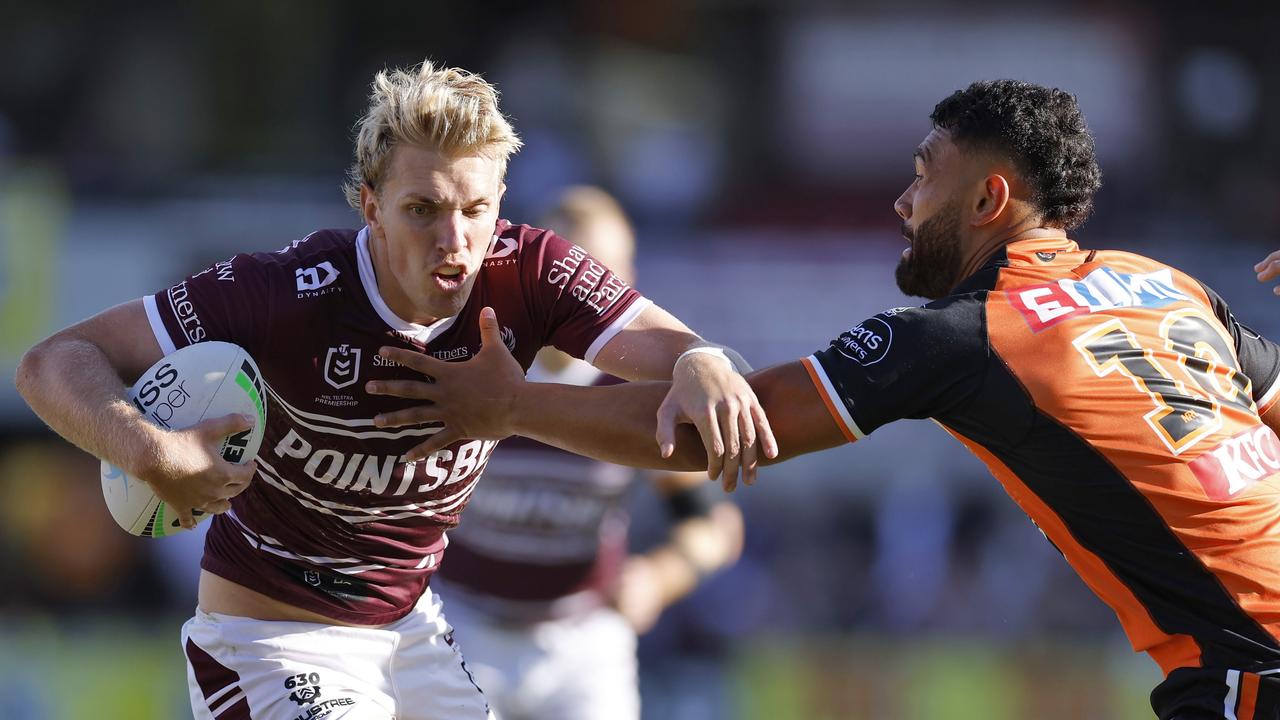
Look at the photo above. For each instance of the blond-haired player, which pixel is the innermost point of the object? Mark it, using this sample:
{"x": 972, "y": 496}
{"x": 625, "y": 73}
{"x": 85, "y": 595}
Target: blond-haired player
{"x": 313, "y": 598}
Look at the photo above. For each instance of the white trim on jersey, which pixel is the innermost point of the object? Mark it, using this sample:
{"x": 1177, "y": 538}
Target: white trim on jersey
{"x": 1270, "y": 394}
{"x": 833, "y": 398}
{"x": 297, "y": 417}
{"x": 421, "y": 333}
{"x": 217, "y": 708}
{"x": 428, "y": 508}
{"x": 157, "y": 325}
{"x": 618, "y": 325}
{"x": 1233, "y": 689}
{"x": 260, "y": 542}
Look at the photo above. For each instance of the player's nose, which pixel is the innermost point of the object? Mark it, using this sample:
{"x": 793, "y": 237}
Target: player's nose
{"x": 902, "y": 206}
{"x": 452, "y": 238}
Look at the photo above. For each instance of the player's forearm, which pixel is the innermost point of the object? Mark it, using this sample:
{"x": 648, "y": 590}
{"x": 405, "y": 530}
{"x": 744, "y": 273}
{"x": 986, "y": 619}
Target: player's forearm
{"x": 615, "y": 424}
{"x": 71, "y": 386}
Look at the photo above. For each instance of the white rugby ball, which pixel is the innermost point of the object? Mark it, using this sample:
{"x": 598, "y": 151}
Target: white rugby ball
{"x": 205, "y": 380}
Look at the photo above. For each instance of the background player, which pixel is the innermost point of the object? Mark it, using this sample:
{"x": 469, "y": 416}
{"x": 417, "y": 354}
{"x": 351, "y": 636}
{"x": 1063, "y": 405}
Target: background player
{"x": 540, "y": 590}
{"x": 343, "y": 523}
{"x": 1117, "y": 400}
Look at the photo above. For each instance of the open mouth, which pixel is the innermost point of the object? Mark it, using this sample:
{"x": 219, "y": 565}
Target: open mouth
{"x": 449, "y": 277}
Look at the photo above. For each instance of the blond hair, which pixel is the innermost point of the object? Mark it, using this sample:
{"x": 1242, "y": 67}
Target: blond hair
{"x": 450, "y": 110}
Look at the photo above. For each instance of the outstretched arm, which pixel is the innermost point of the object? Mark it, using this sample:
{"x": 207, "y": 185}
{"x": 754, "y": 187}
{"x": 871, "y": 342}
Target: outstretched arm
{"x": 488, "y": 398}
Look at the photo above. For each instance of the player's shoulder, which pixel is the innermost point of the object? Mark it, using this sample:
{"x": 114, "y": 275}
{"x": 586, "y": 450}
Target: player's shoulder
{"x": 314, "y": 247}
{"x": 318, "y": 258}
{"x": 951, "y": 325}
{"x": 514, "y": 244}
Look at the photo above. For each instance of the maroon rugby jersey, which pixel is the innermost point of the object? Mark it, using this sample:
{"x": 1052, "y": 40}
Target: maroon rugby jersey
{"x": 335, "y": 520}
{"x": 546, "y": 525}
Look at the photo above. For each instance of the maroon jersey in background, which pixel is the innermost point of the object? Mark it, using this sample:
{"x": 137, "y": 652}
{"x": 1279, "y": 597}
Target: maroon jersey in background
{"x": 334, "y": 520}
{"x": 546, "y": 534}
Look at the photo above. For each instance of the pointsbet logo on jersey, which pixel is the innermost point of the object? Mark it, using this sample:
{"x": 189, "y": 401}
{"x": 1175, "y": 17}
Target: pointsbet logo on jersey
{"x": 1048, "y": 304}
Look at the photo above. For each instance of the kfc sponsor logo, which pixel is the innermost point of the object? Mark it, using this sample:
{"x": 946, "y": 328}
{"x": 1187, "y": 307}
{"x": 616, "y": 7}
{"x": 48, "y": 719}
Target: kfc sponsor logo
{"x": 1046, "y": 305}
{"x": 378, "y": 474}
{"x": 311, "y": 279}
{"x": 1239, "y": 462}
{"x": 866, "y": 343}
{"x": 185, "y": 312}
{"x": 342, "y": 366}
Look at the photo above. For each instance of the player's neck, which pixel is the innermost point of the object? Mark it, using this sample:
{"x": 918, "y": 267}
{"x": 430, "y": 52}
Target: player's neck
{"x": 390, "y": 290}
{"x": 984, "y": 247}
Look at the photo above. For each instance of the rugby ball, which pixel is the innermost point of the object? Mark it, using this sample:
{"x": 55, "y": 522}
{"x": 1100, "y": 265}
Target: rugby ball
{"x": 205, "y": 380}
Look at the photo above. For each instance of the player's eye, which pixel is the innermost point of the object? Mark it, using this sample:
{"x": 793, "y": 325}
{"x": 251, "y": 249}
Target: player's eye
{"x": 475, "y": 212}
{"x": 418, "y": 210}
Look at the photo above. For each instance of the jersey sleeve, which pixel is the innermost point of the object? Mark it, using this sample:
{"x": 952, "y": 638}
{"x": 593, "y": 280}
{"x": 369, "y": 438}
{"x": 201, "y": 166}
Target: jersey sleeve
{"x": 902, "y": 363}
{"x": 1259, "y": 357}
{"x": 227, "y": 301}
{"x": 582, "y": 303}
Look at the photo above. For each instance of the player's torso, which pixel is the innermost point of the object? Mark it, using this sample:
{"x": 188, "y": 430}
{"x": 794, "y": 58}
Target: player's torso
{"x": 334, "y": 501}
{"x": 1128, "y": 432}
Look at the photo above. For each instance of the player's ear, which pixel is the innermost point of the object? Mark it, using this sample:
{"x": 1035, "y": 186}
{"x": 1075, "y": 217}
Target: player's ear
{"x": 992, "y": 198}
{"x": 369, "y": 208}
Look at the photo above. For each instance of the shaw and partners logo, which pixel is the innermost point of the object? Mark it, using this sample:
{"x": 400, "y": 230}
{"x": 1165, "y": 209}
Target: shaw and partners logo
{"x": 1048, "y": 304}
{"x": 312, "y": 279}
{"x": 1238, "y": 463}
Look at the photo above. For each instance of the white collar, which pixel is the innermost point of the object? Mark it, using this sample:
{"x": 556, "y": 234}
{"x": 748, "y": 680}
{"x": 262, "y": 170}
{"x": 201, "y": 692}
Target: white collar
{"x": 421, "y": 333}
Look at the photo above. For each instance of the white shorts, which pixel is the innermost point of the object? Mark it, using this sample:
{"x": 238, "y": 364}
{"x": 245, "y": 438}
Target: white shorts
{"x": 581, "y": 667}
{"x": 244, "y": 669}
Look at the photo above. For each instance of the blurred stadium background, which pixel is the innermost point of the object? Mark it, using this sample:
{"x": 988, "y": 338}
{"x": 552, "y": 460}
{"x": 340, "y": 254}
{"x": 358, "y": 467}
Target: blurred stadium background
{"x": 759, "y": 146}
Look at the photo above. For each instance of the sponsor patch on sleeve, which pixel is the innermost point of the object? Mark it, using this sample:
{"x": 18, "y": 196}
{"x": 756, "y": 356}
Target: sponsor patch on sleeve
{"x": 868, "y": 342}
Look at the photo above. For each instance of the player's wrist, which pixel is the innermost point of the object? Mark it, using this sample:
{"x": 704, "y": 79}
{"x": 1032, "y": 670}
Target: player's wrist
{"x": 713, "y": 355}
{"x": 524, "y": 406}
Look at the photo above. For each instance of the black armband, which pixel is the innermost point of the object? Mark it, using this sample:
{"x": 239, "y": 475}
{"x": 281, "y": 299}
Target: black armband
{"x": 695, "y": 501}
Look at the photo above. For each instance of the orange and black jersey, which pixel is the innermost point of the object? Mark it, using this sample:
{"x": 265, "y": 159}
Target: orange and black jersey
{"x": 1118, "y": 402}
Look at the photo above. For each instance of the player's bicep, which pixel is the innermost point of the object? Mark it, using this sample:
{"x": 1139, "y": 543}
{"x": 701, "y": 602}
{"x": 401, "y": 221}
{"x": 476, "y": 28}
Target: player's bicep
{"x": 646, "y": 348}
{"x": 123, "y": 334}
{"x": 801, "y": 421}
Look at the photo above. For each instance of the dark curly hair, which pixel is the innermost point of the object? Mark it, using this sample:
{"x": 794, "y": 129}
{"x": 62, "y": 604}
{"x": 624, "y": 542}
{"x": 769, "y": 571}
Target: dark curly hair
{"x": 1040, "y": 130}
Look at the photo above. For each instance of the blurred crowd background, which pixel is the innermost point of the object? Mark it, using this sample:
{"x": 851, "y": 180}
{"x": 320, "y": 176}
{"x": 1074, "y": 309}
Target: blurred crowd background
{"x": 759, "y": 146}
